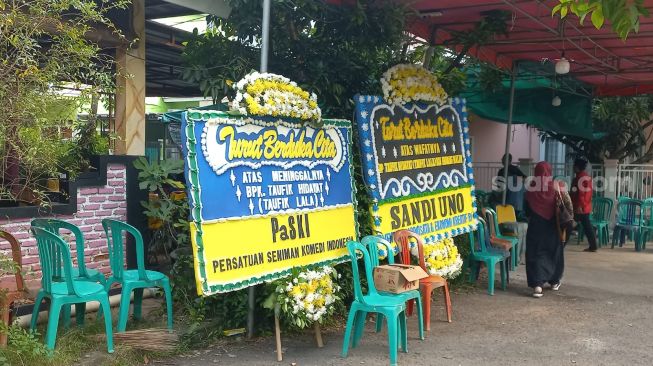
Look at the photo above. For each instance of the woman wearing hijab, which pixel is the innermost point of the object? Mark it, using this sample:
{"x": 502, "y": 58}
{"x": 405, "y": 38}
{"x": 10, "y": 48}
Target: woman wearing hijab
{"x": 544, "y": 250}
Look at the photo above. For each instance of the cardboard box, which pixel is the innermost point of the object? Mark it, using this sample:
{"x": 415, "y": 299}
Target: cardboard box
{"x": 396, "y": 278}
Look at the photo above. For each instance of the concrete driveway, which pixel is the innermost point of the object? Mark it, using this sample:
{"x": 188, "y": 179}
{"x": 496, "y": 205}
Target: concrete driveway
{"x": 603, "y": 315}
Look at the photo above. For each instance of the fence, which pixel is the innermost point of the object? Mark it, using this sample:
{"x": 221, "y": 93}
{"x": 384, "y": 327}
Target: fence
{"x": 485, "y": 172}
{"x": 635, "y": 180}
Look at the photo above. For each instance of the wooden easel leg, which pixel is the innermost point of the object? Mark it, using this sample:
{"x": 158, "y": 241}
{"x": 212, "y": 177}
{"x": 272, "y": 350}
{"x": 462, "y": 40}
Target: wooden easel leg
{"x": 277, "y": 334}
{"x": 318, "y": 335}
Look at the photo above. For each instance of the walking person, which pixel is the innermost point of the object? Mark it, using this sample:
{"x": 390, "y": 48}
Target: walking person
{"x": 544, "y": 250}
{"x": 581, "y": 197}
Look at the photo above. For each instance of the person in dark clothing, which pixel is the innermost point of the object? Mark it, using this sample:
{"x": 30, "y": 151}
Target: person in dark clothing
{"x": 514, "y": 196}
{"x": 581, "y": 197}
{"x": 513, "y": 170}
{"x": 544, "y": 250}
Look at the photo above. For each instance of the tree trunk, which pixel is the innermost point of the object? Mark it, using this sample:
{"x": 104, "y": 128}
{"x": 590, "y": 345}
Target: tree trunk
{"x": 11, "y": 174}
{"x": 647, "y": 157}
{"x": 89, "y": 131}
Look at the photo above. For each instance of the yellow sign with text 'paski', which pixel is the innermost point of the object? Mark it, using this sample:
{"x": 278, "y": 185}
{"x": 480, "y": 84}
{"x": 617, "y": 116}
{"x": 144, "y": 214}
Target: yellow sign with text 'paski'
{"x": 274, "y": 243}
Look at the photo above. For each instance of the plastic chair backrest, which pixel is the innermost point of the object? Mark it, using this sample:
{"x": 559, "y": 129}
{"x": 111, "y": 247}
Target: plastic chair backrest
{"x": 505, "y": 213}
{"x": 55, "y": 226}
{"x": 372, "y": 243}
{"x": 50, "y": 245}
{"x": 629, "y": 212}
{"x": 601, "y": 208}
{"x": 17, "y": 257}
{"x": 114, "y": 230}
{"x": 647, "y": 212}
{"x": 56, "y": 253}
{"x": 403, "y": 238}
{"x": 491, "y": 225}
{"x": 354, "y": 247}
{"x": 484, "y": 236}
{"x": 477, "y": 238}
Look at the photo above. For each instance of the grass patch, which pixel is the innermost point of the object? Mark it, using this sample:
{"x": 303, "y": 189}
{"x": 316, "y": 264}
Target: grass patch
{"x": 76, "y": 346}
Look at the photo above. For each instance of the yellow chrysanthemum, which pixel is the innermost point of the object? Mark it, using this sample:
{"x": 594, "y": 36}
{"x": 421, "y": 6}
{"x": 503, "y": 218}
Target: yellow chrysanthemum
{"x": 408, "y": 83}
{"x": 274, "y": 95}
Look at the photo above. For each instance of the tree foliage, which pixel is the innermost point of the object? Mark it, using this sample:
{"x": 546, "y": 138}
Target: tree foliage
{"x": 494, "y": 23}
{"x": 43, "y": 47}
{"x": 451, "y": 62}
{"x": 334, "y": 51}
{"x": 624, "y": 125}
{"x": 623, "y": 15}
{"x": 624, "y": 121}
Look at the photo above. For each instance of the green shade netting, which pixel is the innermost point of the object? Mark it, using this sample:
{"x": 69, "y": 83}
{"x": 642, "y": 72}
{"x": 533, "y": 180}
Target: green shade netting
{"x": 175, "y": 116}
{"x": 534, "y": 91}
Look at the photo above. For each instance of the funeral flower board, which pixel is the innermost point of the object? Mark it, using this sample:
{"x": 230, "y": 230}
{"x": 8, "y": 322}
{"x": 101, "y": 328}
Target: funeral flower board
{"x": 266, "y": 195}
{"x": 417, "y": 165}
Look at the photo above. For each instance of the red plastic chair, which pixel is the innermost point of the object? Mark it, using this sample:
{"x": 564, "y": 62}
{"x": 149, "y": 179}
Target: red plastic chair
{"x": 8, "y": 299}
{"x": 426, "y": 285}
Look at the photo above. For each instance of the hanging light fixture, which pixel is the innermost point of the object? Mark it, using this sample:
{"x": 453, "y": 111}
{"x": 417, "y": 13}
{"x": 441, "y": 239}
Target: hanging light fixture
{"x": 562, "y": 66}
{"x": 556, "y": 101}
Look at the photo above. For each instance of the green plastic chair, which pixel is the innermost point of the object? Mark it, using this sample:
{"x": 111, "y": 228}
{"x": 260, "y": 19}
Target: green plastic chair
{"x": 621, "y": 199}
{"x": 494, "y": 231}
{"x": 66, "y": 289}
{"x": 372, "y": 244}
{"x": 600, "y": 219}
{"x": 392, "y": 306}
{"x": 482, "y": 253}
{"x": 135, "y": 280}
{"x": 646, "y": 223}
{"x": 629, "y": 214}
{"x": 78, "y": 273}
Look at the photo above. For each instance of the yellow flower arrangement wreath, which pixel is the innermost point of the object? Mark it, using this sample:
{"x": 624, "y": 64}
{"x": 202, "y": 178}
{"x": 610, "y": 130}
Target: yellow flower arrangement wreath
{"x": 406, "y": 83}
{"x": 442, "y": 258}
{"x": 274, "y": 95}
{"x": 308, "y": 296}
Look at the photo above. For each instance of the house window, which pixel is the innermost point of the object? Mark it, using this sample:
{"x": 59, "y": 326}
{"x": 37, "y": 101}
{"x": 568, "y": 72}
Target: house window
{"x": 555, "y": 152}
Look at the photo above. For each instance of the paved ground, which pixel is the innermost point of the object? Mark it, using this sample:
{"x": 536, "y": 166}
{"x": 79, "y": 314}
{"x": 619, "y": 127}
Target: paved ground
{"x": 603, "y": 315}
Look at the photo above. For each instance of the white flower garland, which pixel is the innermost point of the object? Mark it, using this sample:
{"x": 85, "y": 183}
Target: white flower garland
{"x": 310, "y": 296}
{"x": 406, "y": 83}
{"x": 265, "y": 94}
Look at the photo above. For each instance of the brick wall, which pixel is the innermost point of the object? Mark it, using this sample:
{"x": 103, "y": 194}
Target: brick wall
{"x": 93, "y": 205}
